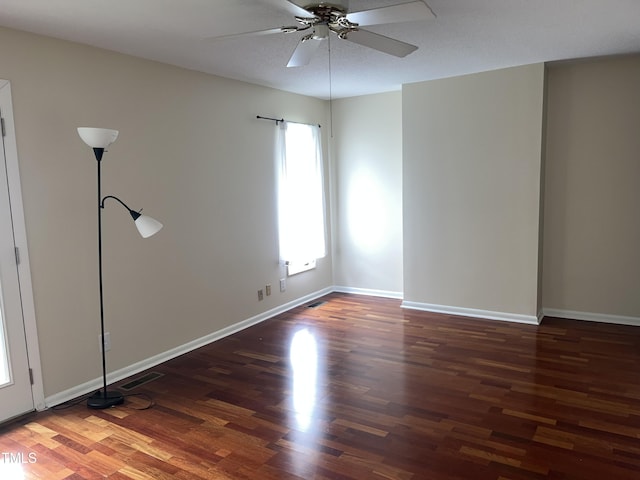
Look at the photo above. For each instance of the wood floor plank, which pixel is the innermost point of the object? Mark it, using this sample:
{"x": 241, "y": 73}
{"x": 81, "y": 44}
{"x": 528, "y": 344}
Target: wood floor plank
{"x": 360, "y": 388}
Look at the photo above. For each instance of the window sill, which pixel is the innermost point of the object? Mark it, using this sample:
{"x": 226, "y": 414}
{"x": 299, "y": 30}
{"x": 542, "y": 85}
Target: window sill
{"x": 294, "y": 268}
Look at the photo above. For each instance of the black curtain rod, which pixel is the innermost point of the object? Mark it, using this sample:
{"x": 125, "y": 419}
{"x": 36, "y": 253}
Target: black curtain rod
{"x": 278, "y": 120}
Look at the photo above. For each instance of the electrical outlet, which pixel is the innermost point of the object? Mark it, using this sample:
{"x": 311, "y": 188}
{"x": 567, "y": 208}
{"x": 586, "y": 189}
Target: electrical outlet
{"x": 260, "y": 295}
{"x": 283, "y": 285}
{"x": 268, "y": 290}
{"x": 107, "y": 341}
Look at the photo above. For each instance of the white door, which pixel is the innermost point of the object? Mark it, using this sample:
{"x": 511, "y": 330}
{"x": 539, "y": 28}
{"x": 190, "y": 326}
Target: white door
{"x": 16, "y": 396}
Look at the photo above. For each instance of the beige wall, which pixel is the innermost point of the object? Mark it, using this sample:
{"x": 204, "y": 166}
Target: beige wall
{"x": 367, "y": 147}
{"x": 472, "y": 162}
{"x": 592, "y": 224}
{"x": 192, "y": 153}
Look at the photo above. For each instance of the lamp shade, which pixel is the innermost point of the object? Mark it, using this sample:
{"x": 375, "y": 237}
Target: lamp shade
{"x": 147, "y": 226}
{"x": 97, "y": 137}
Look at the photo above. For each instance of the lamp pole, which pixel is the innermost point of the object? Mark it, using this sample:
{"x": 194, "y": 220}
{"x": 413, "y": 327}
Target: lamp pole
{"x": 99, "y": 139}
{"x": 104, "y": 398}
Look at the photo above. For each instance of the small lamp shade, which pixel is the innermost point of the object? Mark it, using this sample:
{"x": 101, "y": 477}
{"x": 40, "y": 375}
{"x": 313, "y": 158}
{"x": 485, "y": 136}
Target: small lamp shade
{"x": 147, "y": 226}
{"x": 97, "y": 137}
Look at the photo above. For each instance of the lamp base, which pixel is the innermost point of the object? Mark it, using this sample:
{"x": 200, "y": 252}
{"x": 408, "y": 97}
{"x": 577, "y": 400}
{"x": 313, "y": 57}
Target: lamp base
{"x": 99, "y": 400}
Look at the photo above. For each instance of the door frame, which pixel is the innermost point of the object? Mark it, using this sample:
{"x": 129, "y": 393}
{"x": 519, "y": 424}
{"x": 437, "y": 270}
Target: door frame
{"x": 20, "y": 238}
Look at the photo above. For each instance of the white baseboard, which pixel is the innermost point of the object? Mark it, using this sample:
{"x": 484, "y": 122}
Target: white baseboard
{"x": 472, "y": 312}
{"x": 592, "y": 317}
{"x": 368, "y": 291}
{"x": 151, "y": 362}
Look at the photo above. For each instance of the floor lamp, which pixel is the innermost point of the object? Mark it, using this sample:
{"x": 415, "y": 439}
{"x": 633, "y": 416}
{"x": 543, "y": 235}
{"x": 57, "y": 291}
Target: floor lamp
{"x": 99, "y": 139}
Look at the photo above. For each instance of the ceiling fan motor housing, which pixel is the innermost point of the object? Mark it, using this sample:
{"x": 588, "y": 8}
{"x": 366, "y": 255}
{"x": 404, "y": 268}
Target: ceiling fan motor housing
{"x": 327, "y": 16}
{"x": 337, "y": 4}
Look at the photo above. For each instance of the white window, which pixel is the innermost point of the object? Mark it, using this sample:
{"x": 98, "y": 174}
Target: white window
{"x": 301, "y": 215}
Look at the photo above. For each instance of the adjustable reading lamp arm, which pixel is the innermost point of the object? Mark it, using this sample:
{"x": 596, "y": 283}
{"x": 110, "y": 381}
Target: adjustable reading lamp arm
{"x": 133, "y": 213}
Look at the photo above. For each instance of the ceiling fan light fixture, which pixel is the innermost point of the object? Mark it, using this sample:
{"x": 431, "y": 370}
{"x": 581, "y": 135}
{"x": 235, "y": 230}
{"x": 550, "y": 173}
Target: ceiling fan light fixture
{"x": 320, "y": 32}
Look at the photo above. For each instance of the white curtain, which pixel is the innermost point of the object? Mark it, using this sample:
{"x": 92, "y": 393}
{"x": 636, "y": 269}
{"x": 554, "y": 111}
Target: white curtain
{"x": 301, "y": 215}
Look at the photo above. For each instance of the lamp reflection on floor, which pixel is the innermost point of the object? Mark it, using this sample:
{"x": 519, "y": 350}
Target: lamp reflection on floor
{"x": 303, "y": 355}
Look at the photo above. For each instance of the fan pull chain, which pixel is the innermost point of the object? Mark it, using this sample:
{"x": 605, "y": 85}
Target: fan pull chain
{"x": 330, "y": 93}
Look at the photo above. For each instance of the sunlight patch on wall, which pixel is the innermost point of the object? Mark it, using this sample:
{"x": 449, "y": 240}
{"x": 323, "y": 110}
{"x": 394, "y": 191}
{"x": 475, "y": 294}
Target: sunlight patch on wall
{"x": 368, "y": 221}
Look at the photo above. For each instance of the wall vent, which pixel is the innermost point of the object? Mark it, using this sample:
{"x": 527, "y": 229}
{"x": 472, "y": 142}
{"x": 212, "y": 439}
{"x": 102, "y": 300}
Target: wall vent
{"x": 146, "y": 378}
{"x": 316, "y": 304}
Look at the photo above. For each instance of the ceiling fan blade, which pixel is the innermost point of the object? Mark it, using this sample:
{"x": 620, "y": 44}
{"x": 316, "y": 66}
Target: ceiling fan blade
{"x": 381, "y": 43}
{"x": 403, "y": 12}
{"x": 304, "y": 51}
{"x": 257, "y": 33}
{"x": 285, "y": 5}
{"x": 292, "y": 8}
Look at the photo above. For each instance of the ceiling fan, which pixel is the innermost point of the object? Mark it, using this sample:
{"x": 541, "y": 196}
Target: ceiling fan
{"x": 320, "y": 19}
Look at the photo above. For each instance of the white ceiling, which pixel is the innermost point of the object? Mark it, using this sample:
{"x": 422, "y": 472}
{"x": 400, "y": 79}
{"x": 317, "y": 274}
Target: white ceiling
{"x": 466, "y": 36}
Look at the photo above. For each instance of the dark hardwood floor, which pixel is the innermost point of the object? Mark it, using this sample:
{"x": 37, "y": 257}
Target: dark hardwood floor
{"x": 359, "y": 388}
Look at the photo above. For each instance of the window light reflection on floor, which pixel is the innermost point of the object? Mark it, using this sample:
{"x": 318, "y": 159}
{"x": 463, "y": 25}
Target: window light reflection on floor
{"x": 11, "y": 470}
{"x": 303, "y": 355}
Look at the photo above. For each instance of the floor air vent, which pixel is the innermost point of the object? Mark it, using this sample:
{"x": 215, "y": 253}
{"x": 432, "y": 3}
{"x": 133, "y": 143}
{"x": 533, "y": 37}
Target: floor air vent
{"x": 146, "y": 378}
{"x": 316, "y": 304}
